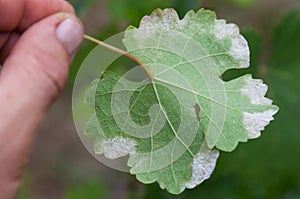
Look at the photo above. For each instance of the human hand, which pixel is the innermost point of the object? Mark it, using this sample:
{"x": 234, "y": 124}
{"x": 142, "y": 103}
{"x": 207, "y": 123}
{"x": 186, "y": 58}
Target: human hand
{"x": 37, "y": 41}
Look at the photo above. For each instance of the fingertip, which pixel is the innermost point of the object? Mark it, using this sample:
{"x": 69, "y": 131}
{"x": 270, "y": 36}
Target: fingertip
{"x": 70, "y": 34}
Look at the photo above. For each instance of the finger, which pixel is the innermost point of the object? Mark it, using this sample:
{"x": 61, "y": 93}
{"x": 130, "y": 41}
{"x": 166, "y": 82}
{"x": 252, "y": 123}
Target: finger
{"x": 31, "y": 78}
{"x": 7, "y": 42}
{"x": 35, "y": 10}
{"x": 27, "y": 12}
{"x": 8, "y": 20}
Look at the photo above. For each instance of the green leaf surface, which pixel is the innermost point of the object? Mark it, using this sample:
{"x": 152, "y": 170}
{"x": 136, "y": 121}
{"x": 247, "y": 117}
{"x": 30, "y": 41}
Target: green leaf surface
{"x": 172, "y": 124}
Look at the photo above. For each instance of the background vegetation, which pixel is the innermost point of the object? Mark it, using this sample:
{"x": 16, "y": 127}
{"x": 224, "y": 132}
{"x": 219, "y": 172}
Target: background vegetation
{"x": 269, "y": 167}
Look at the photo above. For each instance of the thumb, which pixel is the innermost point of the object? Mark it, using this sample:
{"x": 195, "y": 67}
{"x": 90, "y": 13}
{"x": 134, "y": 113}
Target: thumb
{"x": 32, "y": 76}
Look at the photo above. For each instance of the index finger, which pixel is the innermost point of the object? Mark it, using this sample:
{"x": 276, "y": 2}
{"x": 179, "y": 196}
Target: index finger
{"x": 20, "y": 14}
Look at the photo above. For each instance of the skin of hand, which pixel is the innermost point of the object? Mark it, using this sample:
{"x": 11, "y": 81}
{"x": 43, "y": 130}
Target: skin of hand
{"x": 37, "y": 42}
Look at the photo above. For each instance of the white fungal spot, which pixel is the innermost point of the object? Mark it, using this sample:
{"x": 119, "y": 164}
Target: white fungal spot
{"x": 239, "y": 51}
{"x": 150, "y": 26}
{"x": 117, "y": 147}
{"x": 256, "y": 122}
{"x": 160, "y": 18}
{"x": 223, "y": 30}
{"x": 182, "y": 24}
{"x": 239, "y": 47}
{"x": 255, "y": 90}
{"x": 203, "y": 165}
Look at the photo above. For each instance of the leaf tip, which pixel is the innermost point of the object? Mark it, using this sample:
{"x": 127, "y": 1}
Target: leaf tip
{"x": 255, "y": 122}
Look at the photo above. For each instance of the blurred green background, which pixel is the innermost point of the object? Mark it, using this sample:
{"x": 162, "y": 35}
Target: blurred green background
{"x": 269, "y": 167}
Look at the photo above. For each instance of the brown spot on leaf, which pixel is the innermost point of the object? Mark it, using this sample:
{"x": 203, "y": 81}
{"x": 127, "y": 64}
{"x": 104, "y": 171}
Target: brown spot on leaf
{"x": 197, "y": 111}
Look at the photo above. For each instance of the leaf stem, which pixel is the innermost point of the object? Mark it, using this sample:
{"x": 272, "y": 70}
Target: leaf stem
{"x": 121, "y": 52}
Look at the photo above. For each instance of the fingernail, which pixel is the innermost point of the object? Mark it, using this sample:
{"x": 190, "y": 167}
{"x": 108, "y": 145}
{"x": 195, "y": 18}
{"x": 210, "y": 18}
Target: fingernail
{"x": 70, "y": 34}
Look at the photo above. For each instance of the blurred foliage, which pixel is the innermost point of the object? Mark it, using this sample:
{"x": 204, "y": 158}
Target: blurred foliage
{"x": 242, "y": 2}
{"x": 132, "y": 11}
{"x": 24, "y": 192}
{"x": 81, "y": 5}
{"x": 183, "y": 6}
{"x": 91, "y": 190}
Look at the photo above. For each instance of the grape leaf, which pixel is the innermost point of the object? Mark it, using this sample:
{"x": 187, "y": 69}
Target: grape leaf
{"x": 172, "y": 124}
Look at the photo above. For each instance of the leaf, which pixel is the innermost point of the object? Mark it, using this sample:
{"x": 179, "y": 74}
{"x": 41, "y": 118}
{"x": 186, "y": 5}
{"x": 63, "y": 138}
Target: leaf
{"x": 172, "y": 124}
{"x": 207, "y": 47}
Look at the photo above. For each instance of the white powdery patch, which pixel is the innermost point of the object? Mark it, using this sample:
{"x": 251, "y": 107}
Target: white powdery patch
{"x": 117, "y": 147}
{"x": 256, "y": 122}
{"x": 239, "y": 47}
{"x": 160, "y": 18}
{"x": 224, "y": 30}
{"x": 203, "y": 165}
{"x": 255, "y": 90}
{"x": 150, "y": 26}
{"x": 182, "y": 24}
